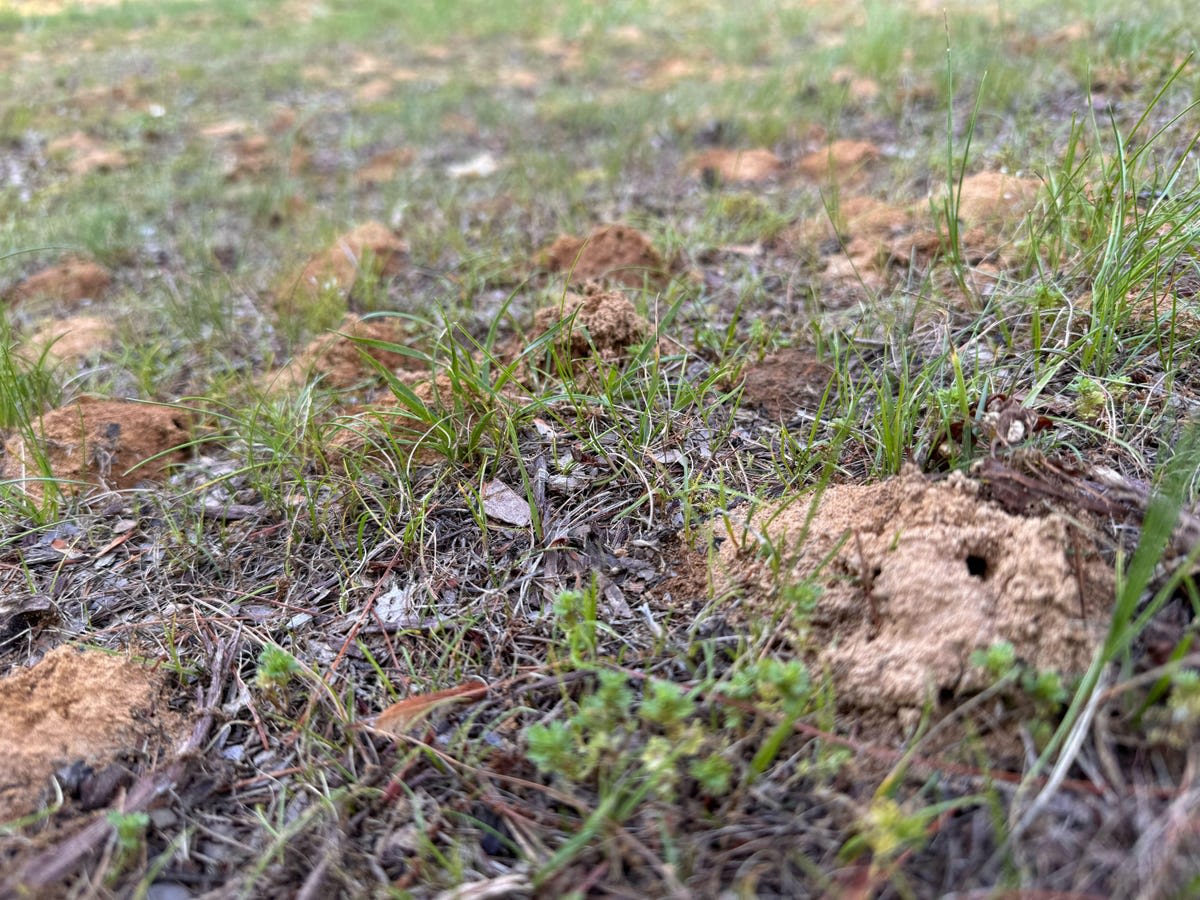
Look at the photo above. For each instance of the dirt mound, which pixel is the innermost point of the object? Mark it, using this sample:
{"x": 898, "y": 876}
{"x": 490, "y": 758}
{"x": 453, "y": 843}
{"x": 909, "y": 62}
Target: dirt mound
{"x": 370, "y": 250}
{"x": 74, "y": 706}
{"x": 859, "y": 239}
{"x": 993, "y": 198}
{"x": 102, "y": 442}
{"x": 72, "y": 280}
{"x": 925, "y": 573}
{"x": 84, "y": 154}
{"x": 843, "y": 162}
{"x": 600, "y": 321}
{"x": 785, "y": 381}
{"x": 337, "y": 359}
{"x": 614, "y": 253}
{"x": 70, "y": 340}
{"x": 383, "y": 166}
{"x": 736, "y": 165}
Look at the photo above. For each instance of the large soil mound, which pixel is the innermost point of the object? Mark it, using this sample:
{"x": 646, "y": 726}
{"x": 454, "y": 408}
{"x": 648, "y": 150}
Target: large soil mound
{"x": 919, "y": 575}
{"x": 72, "y": 708}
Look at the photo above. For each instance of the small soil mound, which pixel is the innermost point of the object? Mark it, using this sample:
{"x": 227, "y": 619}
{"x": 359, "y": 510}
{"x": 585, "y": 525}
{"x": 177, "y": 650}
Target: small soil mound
{"x": 72, "y": 340}
{"x": 383, "y": 166}
{"x": 786, "y": 381}
{"x": 600, "y": 321}
{"x": 69, "y": 282}
{"x": 993, "y": 198}
{"x": 843, "y": 162}
{"x": 105, "y": 442}
{"x": 72, "y": 707}
{"x": 337, "y": 358}
{"x": 920, "y": 575}
{"x": 84, "y": 154}
{"x": 613, "y": 253}
{"x": 368, "y": 251}
{"x": 736, "y": 165}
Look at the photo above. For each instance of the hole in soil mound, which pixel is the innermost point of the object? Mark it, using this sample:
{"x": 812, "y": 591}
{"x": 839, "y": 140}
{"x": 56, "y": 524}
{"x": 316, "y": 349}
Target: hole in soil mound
{"x": 892, "y": 641}
{"x": 977, "y": 566}
{"x": 74, "y": 707}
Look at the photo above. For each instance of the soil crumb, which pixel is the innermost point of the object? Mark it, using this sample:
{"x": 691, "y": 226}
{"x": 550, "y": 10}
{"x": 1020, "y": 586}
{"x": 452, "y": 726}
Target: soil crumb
{"x": 613, "y": 253}
{"x": 103, "y": 442}
{"x": 600, "y": 321}
{"x": 72, "y": 340}
{"x": 786, "y": 381}
{"x": 73, "y": 707}
{"x": 736, "y": 165}
{"x": 925, "y": 574}
{"x": 337, "y": 358}
{"x": 370, "y": 250}
{"x": 69, "y": 282}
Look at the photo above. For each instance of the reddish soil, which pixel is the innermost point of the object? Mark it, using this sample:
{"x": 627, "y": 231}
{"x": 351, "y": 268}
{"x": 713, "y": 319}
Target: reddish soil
{"x": 786, "y": 381}
{"x": 614, "y": 253}
{"x": 69, "y": 282}
{"x": 843, "y": 162}
{"x": 600, "y": 321}
{"x": 737, "y": 165}
{"x": 84, "y": 155}
{"x": 338, "y": 360}
{"x": 372, "y": 249}
{"x": 100, "y": 442}
{"x": 73, "y": 340}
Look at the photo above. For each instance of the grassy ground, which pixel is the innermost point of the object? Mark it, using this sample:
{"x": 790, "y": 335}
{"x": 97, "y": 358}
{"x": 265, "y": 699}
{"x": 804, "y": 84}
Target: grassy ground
{"x": 493, "y": 642}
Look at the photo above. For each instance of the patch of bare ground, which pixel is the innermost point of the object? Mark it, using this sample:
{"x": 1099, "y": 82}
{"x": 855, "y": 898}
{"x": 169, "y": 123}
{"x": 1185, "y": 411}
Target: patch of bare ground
{"x": 785, "y": 381}
{"x": 110, "y": 443}
{"x": 914, "y": 576}
{"x": 595, "y": 321}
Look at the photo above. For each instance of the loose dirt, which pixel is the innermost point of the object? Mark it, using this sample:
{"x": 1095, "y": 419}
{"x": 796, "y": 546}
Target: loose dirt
{"x": 920, "y": 575}
{"x": 102, "y": 442}
{"x": 73, "y": 707}
{"x": 84, "y": 154}
{"x": 737, "y": 165}
{"x": 370, "y": 250}
{"x": 71, "y": 281}
{"x": 786, "y": 381}
{"x": 843, "y": 162}
{"x": 993, "y": 198}
{"x": 72, "y": 340}
{"x": 614, "y": 253}
{"x": 600, "y": 321}
{"x": 338, "y": 359}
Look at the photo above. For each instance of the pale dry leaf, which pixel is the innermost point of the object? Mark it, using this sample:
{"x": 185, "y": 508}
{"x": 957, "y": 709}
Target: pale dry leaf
{"x": 502, "y": 503}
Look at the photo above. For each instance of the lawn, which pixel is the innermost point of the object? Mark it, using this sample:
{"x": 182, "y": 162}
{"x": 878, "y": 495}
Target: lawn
{"x": 462, "y": 449}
